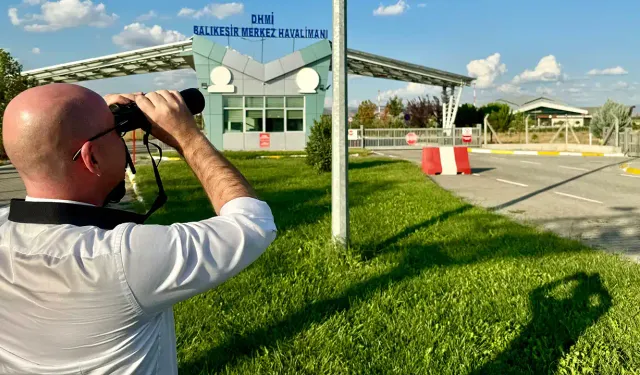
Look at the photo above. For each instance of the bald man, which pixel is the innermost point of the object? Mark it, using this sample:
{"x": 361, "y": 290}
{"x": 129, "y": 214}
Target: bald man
{"x": 83, "y": 295}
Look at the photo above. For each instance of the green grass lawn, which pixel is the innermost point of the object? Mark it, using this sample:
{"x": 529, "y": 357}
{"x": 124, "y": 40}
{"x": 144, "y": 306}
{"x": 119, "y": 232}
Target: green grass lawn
{"x": 430, "y": 285}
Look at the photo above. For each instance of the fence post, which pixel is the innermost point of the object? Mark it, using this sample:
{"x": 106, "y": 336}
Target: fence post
{"x": 485, "y": 130}
{"x": 566, "y": 130}
{"x": 526, "y": 130}
{"x": 590, "y": 137}
{"x": 617, "y": 130}
{"x": 362, "y": 135}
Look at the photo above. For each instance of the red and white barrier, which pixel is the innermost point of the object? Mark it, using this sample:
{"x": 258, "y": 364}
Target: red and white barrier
{"x": 445, "y": 160}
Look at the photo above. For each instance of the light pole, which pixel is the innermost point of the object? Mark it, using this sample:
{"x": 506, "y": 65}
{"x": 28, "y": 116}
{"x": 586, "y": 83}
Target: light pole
{"x": 339, "y": 155}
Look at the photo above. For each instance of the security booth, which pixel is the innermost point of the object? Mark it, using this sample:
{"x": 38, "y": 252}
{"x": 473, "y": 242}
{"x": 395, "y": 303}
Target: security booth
{"x": 251, "y": 105}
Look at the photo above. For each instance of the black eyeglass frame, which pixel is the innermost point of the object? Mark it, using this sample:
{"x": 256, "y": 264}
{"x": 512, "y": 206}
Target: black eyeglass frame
{"x": 105, "y": 132}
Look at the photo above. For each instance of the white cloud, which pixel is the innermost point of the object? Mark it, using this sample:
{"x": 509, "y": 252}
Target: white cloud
{"x": 573, "y": 90}
{"x": 220, "y": 11}
{"x": 391, "y": 10}
{"x": 354, "y": 103}
{"x": 176, "y": 79}
{"x": 147, "y": 16}
{"x": 545, "y": 90}
{"x": 62, "y": 14}
{"x": 411, "y": 90}
{"x": 620, "y": 85}
{"x": 486, "y": 70}
{"x": 138, "y": 35}
{"x": 598, "y": 85}
{"x": 422, "y": 5}
{"x": 509, "y": 88}
{"x": 548, "y": 69}
{"x": 36, "y": 50}
{"x": 13, "y": 16}
{"x": 32, "y": 2}
{"x": 616, "y": 71}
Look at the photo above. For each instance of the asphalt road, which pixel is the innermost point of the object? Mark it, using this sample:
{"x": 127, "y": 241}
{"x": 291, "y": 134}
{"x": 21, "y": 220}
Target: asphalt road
{"x": 11, "y": 185}
{"x": 584, "y": 198}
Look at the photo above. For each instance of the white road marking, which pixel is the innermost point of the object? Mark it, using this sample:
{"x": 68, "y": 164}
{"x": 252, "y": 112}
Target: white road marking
{"x": 529, "y": 162}
{"x": 475, "y": 174}
{"x": 574, "y": 168}
{"x": 577, "y": 197}
{"x": 629, "y": 175}
{"x": 511, "y": 182}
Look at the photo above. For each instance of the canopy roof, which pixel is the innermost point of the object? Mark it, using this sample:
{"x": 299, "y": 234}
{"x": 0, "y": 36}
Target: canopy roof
{"x": 178, "y": 55}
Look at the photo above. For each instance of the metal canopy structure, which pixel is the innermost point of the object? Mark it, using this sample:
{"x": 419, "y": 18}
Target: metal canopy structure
{"x": 147, "y": 60}
{"x": 366, "y": 64}
{"x": 178, "y": 55}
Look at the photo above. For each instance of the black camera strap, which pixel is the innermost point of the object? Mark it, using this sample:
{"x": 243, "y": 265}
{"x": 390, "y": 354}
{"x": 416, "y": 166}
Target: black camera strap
{"x": 161, "y": 199}
{"x": 22, "y": 211}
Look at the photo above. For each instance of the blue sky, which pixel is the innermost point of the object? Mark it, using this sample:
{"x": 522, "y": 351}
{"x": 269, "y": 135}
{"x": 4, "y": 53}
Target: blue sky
{"x": 582, "y": 52}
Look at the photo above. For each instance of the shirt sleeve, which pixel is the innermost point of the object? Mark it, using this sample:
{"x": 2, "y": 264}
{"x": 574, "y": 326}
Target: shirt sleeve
{"x": 164, "y": 265}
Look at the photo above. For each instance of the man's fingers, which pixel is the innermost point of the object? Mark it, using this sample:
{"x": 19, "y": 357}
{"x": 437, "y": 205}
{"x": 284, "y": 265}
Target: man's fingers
{"x": 117, "y": 99}
{"x": 171, "y": 100}
{"x": 156, "y": 99}
{"x": 145, "y": 104}
{"x": 178, "y": 97}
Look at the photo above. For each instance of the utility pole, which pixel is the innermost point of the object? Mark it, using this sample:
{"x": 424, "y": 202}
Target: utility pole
{"x": 339, "y": 156}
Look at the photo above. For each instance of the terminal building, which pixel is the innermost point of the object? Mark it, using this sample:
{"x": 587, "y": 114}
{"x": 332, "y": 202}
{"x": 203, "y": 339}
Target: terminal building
{"x": 250, "y": 105}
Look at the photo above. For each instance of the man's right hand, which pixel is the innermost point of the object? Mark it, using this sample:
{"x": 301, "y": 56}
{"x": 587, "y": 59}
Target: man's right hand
{"x": 171, "y": 120}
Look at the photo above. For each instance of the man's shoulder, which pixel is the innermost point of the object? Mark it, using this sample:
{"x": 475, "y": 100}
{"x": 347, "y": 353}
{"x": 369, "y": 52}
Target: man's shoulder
{"x": 4, "y": 214}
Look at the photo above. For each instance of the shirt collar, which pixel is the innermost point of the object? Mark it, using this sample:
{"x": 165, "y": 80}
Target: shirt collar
{"x": 32, "y": 199}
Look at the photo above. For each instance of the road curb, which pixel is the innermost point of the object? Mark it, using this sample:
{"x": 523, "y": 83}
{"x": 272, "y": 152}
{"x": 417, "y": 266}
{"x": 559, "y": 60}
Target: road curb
{"x": 630, "y": 170}
{"x": 542, "y": 153}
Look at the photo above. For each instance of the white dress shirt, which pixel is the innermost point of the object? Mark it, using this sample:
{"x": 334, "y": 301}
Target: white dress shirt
{"x": 83, "y": 300}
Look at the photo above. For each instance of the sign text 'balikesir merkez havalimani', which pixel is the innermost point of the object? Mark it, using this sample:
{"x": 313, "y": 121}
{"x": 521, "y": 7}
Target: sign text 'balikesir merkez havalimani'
{"x": 261, "y": 32}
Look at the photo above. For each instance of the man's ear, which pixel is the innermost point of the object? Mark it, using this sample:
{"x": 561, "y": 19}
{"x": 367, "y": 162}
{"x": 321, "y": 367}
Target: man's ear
{"x": 89, "y": 159}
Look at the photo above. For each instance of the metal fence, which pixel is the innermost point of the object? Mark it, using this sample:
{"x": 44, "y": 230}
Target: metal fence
{"x": 630, "y": 142}
{"x": 415, "y": 138}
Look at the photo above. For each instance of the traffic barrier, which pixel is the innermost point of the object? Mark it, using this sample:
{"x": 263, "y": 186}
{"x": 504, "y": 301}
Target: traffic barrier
{"x": 445, "y": 160}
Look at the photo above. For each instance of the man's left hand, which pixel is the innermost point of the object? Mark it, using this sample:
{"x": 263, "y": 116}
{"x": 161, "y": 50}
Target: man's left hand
{"x": 121, "y": 98}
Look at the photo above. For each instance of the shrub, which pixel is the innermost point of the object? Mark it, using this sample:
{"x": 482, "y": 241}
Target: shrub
{"x": 319, "y": 145}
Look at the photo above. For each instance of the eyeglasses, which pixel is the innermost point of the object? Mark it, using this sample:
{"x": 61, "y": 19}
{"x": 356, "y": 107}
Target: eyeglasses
{"x": 118, "y": 128}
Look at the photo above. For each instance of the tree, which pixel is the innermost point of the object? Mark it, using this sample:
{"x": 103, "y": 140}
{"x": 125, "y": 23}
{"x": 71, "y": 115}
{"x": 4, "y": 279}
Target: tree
{"x": 12, "y": 83}
{"x": 500, "y": 115}
{"x": 604, "y": 117}
{"x": 366, "y": 114}
{"x": 394, "y": 107}
{"x": 469, "y": 115}
{"x": 319, "y": 145}
{"x": 423, "y": 111}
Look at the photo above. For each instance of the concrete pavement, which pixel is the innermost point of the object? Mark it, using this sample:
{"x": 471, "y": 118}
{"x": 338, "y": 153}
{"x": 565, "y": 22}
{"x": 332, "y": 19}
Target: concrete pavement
{"x": 11, "y": 185}
{"x": 585, "y": 198}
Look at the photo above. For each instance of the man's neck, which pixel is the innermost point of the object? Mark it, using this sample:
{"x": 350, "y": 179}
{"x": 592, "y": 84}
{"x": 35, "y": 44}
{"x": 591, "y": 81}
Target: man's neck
{"x": 36, "y": 199}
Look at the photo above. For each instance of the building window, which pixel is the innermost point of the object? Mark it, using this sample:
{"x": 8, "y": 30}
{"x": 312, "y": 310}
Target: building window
{"x": 254, "y": 102}
{"x": 253, "y": 120}
{"x": 295, "y": 121}
{"x": 274, "y": 114}
{"x": 295, "y": 102}
{"x": 232, "y": 121}
{"x": 275, "y": 120}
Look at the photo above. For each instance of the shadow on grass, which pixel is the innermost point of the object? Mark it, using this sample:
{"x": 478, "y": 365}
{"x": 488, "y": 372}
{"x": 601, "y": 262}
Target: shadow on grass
{"x": 373, "y": 163}
{"x": 418, "y": 257}
{"x": 556, "y": 325}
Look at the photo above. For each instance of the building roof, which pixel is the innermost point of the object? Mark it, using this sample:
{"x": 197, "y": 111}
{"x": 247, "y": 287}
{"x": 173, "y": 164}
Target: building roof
{"x": 370, "y": 65}
{"x": 179, "y": 55}
{"x": 161, "y": 58}
{"x": 540, "y": 104}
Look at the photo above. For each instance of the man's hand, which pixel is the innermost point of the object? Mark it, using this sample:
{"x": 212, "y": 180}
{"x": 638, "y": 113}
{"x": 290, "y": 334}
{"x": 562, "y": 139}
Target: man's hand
{"x": 171, "y": 120}
{"x": 121, "y": 98}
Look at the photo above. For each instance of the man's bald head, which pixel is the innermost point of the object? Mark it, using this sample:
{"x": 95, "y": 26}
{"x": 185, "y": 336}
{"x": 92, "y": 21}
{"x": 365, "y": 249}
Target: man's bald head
{"x": 45, "y": 125}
